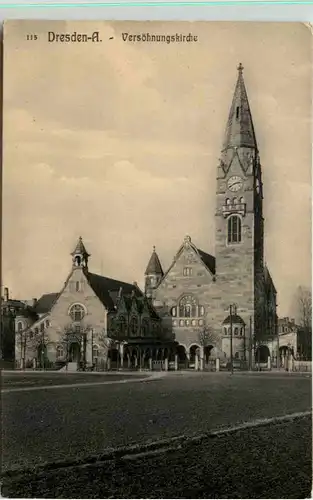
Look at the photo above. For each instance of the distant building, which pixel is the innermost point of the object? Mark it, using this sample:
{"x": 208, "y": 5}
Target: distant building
{"x": 10, "y": 309}
{"x": 295, "y": 337}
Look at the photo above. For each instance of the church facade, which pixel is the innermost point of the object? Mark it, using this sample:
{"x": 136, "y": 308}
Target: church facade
{"x": 203, "y": 306}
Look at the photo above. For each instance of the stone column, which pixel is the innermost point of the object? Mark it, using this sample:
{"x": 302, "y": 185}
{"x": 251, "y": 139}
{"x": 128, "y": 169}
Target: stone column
{"x": 122, "y": 355}
{"x": 150, "y": 364}
{"x": 269, "y": 367}
{"x": 166, "y": 364}
{"x": 201, "y": 358}
{"x": 196, "y": 363}
{"x": 217, "y": 361}
{"x": 176, "y": 362}
{"x": 109, "y": 364}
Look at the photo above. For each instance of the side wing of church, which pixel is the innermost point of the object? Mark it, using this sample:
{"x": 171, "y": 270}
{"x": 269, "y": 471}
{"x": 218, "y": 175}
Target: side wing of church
{"x": 87, "y": 321}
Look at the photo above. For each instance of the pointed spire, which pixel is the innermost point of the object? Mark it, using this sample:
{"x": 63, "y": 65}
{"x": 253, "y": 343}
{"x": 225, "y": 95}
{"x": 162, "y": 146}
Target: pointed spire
{"x": 80, "y": 255}
{"x": 239, "y": 129}
{"x": 80, "y": 248}
{"x": 154, "y": 265}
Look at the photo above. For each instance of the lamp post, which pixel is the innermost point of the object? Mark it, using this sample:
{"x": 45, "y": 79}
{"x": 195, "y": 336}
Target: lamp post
{"x": 92, "y": 347}
{"x": 232, "y": 311}
{"x": 244, "y": 345}
{"x": 250, "y": 344}
{"x": 43, "y": 350}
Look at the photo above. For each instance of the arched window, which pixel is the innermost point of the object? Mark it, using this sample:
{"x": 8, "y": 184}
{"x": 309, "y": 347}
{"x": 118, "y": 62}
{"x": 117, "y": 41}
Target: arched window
{"x": 42, "y": 327}
{"x": 237, "y": 112}
{"x": 235, "y": 201}
{"x": 19, "y": 326}
{"x": 236, "y": 355}
{"x": 145, "y": 327}
{"x": 134, "y": 325}
{"x": 241, "y": 331}
{"x": 225, "y": 330}
{"x": 77, "y": 286}
{"x": 47, "y": 323}
{"x": 77, "y": 312}
{"x": 227, "y": 201}
{"x": 36, "y": 331}
{"x": 236, "y": 330}
{"x": 174, "y": 312}
{"x": 234, "y": 229}
{"x": 242, "y": 200}
{"x": 59, "y": 352}
{"x": 188, "y": 307}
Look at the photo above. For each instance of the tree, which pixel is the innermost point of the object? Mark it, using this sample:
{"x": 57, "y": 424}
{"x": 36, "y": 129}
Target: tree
{"x": 207, "y": 338}
{"x": 304, "y": 306}
{"x": 304, "y": 310}
{"x": 107, "y": 343}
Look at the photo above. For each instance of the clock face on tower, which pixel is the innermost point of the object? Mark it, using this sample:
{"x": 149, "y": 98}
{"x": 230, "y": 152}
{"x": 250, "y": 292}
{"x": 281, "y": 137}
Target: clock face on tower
{"x": 234, "y": 183}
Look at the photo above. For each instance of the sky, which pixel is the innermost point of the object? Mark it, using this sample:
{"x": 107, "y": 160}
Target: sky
{"x": 119, "y": 142}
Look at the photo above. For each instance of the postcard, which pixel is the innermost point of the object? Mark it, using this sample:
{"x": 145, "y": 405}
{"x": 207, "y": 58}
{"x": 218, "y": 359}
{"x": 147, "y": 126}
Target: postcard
{"x": 156, "y": 228}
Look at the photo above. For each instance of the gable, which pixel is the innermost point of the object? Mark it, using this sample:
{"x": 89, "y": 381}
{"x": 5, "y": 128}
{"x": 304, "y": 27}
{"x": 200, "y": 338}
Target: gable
{"x": 190, "y": 264}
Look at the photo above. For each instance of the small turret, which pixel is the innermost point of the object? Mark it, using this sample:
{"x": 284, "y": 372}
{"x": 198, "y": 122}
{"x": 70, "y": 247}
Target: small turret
{"x": 153, "y": 275}
{"x": 80, "y": 255}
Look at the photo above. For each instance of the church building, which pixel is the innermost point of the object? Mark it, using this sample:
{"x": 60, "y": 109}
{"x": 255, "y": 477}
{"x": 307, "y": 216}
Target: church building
{"x": 205, "y": 298}
{"x": 203, "y": 306}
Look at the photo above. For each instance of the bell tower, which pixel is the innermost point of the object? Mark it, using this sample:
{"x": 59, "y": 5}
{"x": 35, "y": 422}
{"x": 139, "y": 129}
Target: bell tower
{"x": 239, "y": 211}
{"x": 80, "y": 255}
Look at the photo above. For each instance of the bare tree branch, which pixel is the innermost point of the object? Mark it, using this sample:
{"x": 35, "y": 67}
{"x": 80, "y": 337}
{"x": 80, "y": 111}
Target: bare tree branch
{"x": 304, "y": 302}
{"x": 206, "y": 336}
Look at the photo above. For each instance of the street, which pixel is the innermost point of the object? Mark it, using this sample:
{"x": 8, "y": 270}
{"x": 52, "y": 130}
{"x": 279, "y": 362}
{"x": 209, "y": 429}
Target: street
{"x": 55, "y": 425}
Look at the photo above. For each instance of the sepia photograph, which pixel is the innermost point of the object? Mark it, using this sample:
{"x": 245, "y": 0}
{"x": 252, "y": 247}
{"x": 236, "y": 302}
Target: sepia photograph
{"x": 156, "y": 305}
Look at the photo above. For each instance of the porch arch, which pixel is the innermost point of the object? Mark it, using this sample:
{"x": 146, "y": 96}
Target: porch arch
{"x": 262, "y": 353}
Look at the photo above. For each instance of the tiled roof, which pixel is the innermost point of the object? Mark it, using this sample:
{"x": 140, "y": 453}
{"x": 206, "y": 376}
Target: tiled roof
{"x": 235, "y": 319}
{"x": 14, "y": 303}
{"x": 154, "y": 265}
{"x": 208, "y": 260}
{"x": 140, "y": 303}
{"x": 107, "y": 289}
{"x": 44, "y": 304}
